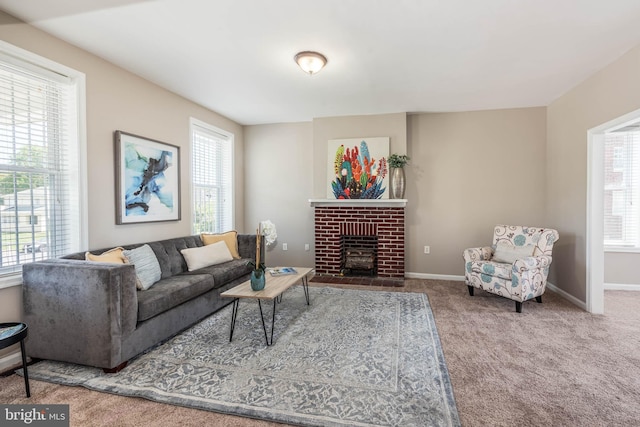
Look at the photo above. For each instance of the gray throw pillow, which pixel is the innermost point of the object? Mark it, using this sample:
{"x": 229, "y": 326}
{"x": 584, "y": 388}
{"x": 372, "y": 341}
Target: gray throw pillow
{"x": 146, "y": 264}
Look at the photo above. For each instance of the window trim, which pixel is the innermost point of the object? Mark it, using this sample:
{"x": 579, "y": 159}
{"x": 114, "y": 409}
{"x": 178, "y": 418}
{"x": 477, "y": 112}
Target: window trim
{"x": 629, "y": 159}
{"x": 9, "y": 51}
{"x": 193, "y": 122}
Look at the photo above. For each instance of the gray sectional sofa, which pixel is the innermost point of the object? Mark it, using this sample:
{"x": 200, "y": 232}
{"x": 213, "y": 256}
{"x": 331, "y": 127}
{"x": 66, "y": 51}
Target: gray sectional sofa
{"x": 90, "y": 312}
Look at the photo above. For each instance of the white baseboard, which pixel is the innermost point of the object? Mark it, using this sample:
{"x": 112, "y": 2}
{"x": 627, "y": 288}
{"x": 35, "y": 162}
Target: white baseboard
{"x": 620, "y": 287}
{"x": 433, "y": 276}
{"x": 567, "y": 296}
{"x": 550, "y": 285}
{"x": 10, "y": 361}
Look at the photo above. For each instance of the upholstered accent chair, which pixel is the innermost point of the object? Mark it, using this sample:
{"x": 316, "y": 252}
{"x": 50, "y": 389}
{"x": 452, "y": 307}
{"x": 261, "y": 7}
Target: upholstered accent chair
{"x": 516, "y": 266}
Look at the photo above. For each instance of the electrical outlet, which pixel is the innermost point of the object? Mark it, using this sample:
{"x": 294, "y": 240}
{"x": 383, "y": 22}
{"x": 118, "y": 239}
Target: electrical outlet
{"x": 306, "y": 246}
{"x": 427, "y": 249}
{"x": 284, "y": 246}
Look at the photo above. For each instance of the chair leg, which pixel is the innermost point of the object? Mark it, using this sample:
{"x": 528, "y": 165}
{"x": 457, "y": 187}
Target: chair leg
{"x": 518, "y": 307}
{"x": 470, "y": 290}
{"x": 539, "y": 299}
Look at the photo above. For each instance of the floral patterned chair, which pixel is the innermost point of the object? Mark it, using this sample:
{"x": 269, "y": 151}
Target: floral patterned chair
{"x": 516, "y": 266}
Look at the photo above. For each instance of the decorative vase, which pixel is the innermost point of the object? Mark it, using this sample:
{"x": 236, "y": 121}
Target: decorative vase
{"x": 257, "y": 280}
{"x": 397, "y": 183}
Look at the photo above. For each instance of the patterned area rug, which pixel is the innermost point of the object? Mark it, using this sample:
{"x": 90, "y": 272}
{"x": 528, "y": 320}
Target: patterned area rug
{"x": 351, "y": 358}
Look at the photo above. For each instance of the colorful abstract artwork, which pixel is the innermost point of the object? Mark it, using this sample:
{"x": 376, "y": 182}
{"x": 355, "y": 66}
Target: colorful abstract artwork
{"x": 357, "y": 168}
{"x": 148, "y": 184}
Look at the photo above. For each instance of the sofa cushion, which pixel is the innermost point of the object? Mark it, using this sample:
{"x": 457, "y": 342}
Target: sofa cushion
{"x": 146, "y": 266}
{"x": 213, "y": 254}
{"x": 226, "y": 272}
{"x": 163, "y": 258}
{"x": 230, "y": 238}
{"x": 488, "y": 269}
{"x": 173, "y": 248}
{"x": 171, "y": 292}
{"x": 169, "y": 256}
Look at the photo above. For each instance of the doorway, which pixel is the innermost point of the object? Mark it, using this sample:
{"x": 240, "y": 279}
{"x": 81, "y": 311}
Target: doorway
{"x": 595, "y": 209}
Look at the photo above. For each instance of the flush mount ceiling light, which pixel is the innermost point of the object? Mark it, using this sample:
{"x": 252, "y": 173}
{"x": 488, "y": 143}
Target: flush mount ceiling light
{"x": 310, "y": 62}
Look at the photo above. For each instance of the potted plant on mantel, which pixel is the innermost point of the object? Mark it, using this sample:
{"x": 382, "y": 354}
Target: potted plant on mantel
{"x": 397, "y": 162}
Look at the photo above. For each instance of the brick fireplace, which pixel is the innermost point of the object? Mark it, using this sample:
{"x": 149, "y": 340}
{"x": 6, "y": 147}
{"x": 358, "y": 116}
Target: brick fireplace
{"x": 383, "y": 219}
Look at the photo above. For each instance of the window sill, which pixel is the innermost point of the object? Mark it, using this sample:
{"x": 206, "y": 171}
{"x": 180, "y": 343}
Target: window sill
{"x": 10, "y": 281}
{"x": 614, "y": 249}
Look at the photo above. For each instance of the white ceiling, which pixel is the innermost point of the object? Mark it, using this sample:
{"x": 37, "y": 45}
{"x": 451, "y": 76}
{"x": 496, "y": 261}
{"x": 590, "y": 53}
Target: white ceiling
{"x": 385, "y": 56}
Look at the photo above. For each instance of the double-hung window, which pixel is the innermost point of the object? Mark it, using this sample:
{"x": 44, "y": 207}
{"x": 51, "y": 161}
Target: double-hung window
{"x": 40, "y": 179}
{"x": 622, "y": 189}
{"x": 211, "y": 178}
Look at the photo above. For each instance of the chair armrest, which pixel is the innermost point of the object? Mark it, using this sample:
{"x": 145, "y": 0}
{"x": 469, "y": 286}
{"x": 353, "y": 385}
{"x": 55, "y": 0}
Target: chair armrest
{"x": 477, "y": 254}
{"x": 532, "y": 263}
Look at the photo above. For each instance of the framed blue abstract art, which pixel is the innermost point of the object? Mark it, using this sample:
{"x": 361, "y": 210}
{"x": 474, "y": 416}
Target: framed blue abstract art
{"x": 147, "y": 180}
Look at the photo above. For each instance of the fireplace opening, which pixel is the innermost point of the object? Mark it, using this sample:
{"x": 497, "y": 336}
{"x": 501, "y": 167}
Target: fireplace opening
{"x": 358, "y": 255}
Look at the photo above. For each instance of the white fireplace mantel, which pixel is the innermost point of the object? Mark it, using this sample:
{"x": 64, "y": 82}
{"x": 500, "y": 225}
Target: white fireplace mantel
{"x": 373, "y": 203}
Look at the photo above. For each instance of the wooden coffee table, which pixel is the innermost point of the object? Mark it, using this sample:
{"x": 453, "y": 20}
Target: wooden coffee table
{"x": 273, "y": 290}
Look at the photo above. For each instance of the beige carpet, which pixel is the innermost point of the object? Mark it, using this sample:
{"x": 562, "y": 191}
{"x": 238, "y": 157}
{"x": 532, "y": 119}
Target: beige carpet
{"x": 552, "y": 365}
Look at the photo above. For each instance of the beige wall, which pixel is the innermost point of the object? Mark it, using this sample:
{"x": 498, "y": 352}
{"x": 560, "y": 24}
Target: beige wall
{"x": 469, "y": 172}
{"x": 392, "y": 125}
{"x": 119, "y": 100}
{"x": 610, "y": 93}
{"x": 278, "y": 168}
{"x": 621, "y": 268}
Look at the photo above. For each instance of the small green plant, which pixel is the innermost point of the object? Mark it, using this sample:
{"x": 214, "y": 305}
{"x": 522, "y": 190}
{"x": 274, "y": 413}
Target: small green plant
{"x": 398, "y": 160}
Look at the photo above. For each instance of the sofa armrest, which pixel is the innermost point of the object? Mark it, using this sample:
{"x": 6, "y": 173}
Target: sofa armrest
{"x": 477, "y": 254}
{"x": 532, "y": 263}
{"x": 79, "y": 311}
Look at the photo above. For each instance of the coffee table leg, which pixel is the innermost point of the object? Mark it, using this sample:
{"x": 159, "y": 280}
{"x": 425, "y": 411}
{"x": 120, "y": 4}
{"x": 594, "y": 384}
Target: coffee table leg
{"x": 305, "y": 286}
{"x": 24, "y": 368}
{"x": 234, "y": 314}
{"x": 273, "y": 321}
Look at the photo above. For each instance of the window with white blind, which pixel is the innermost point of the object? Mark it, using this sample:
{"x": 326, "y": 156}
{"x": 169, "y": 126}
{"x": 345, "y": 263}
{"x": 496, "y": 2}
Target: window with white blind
{"x": 40, "y": 214}
{"x": 211, "y": 178}
{"x": 622, "y": 188}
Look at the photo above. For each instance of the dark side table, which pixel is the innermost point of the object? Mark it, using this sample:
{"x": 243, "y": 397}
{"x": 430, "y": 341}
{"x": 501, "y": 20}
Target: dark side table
{"x": 10, "y": 334}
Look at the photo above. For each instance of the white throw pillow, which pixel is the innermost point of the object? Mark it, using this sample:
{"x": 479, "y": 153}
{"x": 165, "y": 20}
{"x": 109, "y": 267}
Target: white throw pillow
{"x": 146, "y": 264}
{"x": 207, "y": 255}
{"x": 508, "y": 253}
